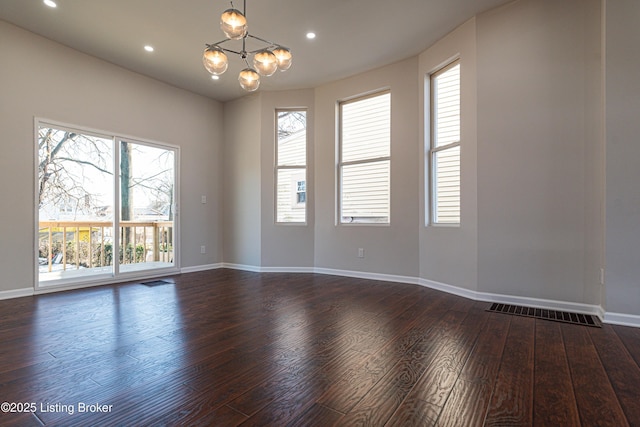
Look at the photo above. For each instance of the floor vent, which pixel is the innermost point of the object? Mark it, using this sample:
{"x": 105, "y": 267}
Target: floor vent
{"x": 157, "y": 283}
{"x": 540, "y": 313}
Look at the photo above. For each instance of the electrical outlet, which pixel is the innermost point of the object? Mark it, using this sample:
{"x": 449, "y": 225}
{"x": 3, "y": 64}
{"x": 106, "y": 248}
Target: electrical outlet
{"x": 203, "y": 249}
{"x": 360, "y": 252}
{"x": 203, "y": 199}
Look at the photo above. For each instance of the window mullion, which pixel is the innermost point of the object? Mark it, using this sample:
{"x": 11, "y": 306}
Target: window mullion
{"x": 362, "y": 161}
{"x": 290, "y": 167}
{"x": 445, "y": 147}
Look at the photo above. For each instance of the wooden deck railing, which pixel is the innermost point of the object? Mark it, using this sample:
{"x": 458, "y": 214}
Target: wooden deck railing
{"x": 90, "y": 243}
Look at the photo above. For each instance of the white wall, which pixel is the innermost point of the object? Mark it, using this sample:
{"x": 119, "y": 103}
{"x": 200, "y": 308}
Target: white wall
{"x": 533, "y": 198}
{"x": 449, "y": 254}
{"x": 40, "y": 78}
{"x": 623, "y": 157}
{"x": 391, "y": 249}
{"x": 242, "y": 176}
{"x": 594, "y": 155}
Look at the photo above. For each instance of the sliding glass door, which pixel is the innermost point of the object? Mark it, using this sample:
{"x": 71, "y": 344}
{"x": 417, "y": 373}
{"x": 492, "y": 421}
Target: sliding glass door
{"x": 146, "y": 207}
{"x": 75, "y": 204}
{"x": 95, "y": 224}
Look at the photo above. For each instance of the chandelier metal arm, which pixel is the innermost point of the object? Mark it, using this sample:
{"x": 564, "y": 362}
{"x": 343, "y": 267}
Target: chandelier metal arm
{"x": 244, "y": 7}
{"x": 218, "y": 43}
{"x": 271, "y": 44}
{"x": 233, "y": 51}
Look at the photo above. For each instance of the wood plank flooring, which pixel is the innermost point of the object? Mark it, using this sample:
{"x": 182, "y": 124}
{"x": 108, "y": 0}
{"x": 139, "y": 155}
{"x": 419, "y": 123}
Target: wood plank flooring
{"x": 229, "y": 348}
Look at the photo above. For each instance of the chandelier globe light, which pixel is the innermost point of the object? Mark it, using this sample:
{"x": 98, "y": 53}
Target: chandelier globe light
{"x": 215, "y": 60}
{"x": 249, "y": 79}
{"x": 266, "y": 60}
{"x": 233, "y": 24}
{"x": 283, "y": 56}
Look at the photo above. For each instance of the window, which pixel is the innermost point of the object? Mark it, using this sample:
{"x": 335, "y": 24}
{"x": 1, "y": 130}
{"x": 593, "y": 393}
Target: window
{"x": 291, "y": 166}
{"x": 444, "y": 151}
{"x": 301, "y": 192}
{"x": 364, "y": 165}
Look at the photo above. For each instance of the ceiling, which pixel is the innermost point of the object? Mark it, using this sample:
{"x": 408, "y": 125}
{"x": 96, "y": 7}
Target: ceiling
{"x": 352, "y": 35}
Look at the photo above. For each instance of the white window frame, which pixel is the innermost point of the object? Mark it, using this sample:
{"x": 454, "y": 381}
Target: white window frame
{"x": 278, "y": 167}
{"x": 433, "y": 150}
{"x": 341, "y": 164}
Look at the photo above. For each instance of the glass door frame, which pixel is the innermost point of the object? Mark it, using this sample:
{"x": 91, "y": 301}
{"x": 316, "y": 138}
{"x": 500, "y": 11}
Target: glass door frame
{"x": 115, "y": 275}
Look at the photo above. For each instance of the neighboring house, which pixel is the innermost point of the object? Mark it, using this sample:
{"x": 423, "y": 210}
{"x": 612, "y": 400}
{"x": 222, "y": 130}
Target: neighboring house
{"x": 292, "y": 188}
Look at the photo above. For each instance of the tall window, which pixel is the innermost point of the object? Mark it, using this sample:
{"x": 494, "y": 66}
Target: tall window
{"x": 291, "y": 166}
{"x": 444, "y": 152}
{"x": 365, "y": 159}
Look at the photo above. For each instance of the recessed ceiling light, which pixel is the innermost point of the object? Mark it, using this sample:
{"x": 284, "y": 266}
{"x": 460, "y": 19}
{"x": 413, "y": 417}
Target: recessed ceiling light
{"x": 50, "y": 3}
{"x": 149, "y": 48}
{"x": 311, "y": 35}
{"x": 215, "y": 77}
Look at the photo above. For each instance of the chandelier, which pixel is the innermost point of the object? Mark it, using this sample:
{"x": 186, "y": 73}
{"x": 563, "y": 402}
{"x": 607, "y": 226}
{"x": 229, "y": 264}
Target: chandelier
{"x": 266, "y": 60}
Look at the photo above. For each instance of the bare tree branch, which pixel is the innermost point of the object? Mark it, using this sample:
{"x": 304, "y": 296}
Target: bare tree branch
{"x": 83, "y": 162}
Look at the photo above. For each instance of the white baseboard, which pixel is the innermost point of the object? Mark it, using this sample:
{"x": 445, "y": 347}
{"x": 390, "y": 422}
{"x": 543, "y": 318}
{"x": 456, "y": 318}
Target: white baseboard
{"x": 597, "y": 310}
{"x": 622, "y": 319}
{"x": 287, "y": 270}
{"x": 455, "y": 290}
{"x": 243, "y": 267}
{"x": 367, "y": 275}
{"x": 574, "y": 307}
{"x": 329, "y": 271}
{"x": 257, "y": 269}
{"x": 205, "y": 267}
{"x": 516, "y": 300}
{"x": 16, "y": 293}
{"x": 606, "y": 317}
{"x": 483, "y": 296}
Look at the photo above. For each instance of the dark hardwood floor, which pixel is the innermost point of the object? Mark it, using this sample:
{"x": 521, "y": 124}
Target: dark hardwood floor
{"x": 229, "y": 348}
